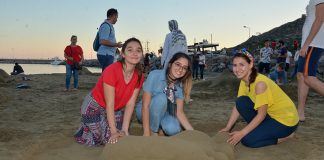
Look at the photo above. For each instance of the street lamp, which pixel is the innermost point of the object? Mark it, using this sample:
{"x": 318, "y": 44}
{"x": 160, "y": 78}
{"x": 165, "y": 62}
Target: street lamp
{"x": 249, "y": 30}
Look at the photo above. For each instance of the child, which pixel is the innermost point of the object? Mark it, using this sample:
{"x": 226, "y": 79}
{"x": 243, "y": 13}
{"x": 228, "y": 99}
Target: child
{"x": 279, "y": 75}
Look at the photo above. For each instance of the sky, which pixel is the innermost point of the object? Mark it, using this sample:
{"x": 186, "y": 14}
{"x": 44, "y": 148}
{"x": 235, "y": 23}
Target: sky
{"x": 40, "y": 29}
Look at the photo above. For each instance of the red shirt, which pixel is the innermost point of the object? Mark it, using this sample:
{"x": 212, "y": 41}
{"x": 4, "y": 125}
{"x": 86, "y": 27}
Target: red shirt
{"x": 273, "y": 44}
{"x": 75, "y": 52}
{"x": 296, "y": 44}
{"x": 113, "y": 76}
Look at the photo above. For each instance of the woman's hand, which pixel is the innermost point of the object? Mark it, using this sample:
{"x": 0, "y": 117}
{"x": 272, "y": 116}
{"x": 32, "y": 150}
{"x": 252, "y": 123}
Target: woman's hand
{"x": 114, "y": 138}
{"x": 236, "y": 137}
{"x": 123, "y": 133}
{"x": 70, "y": 58}
{"x": 226, "y": 129}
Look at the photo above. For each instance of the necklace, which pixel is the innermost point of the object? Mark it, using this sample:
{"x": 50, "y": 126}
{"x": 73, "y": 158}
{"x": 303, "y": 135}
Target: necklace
{"x": 128, "y": 74}
{"x": 171, "y": 80}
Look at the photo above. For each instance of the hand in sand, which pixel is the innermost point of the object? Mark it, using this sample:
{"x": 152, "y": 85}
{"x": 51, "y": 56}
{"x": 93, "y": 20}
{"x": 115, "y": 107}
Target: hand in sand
{"x": 114, "y": 138}
{"x": 235, "y": 137}
{"x": 224, "y": 130}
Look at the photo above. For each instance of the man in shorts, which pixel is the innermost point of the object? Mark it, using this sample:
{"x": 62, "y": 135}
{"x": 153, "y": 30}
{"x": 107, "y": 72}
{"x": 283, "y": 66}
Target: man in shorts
{"x": 310, "y": 53}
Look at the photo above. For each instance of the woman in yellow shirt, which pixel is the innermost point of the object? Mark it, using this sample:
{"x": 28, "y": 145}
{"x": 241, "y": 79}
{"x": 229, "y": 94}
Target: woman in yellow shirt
{"x": 271, "y": 115}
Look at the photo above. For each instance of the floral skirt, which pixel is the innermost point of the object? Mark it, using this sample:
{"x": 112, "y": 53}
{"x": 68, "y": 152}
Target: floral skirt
{"x": 94, "y": 129}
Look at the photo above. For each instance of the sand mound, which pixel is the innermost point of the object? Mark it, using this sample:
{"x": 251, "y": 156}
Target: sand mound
{"x": 225, "y": 86}
{"x": 3, "y": 76}
{"x": 188, "y": 145}
{"x": 84, "y": 71}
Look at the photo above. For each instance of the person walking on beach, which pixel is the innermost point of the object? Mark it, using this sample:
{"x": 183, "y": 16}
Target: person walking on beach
{"x": 265, "y": 57}
{"x": 73, "y": 54}
{"x": 195, "y": 65}
{"x": 311, "y": 51}
{"x": 271, "y": 115}
{"x": 107, "y": 110}
{"x": 202, "y": 64}
{"x": 107, "y": 39}
{"x": 162, "y": 107}
{"x": 174, "y": 42}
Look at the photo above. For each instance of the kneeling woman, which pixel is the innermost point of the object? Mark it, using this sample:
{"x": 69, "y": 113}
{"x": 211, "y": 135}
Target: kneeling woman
{"x": 164, "y": 94}
{"x": 271, "y": 115}
{"x": 106, "y": 112}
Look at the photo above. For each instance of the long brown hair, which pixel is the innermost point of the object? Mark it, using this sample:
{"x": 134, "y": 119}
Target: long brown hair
{"x": 138, "y": 67}
{"x": 186, "y": 80}
{"x": 249, "y": 59}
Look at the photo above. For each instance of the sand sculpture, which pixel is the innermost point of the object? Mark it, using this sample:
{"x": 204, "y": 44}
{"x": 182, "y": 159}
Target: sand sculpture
{"x": 188, "y": 145}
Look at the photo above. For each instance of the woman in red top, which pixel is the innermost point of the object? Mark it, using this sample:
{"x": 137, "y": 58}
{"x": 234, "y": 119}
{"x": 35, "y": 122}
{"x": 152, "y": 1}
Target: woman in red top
{"x": 73, "y": 55}
{"x": 106, "y": 112}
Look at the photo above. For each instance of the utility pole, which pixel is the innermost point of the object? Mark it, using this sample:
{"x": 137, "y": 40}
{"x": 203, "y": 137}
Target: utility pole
{"x": 249, "y": 28}
{"x": 147, "y": 46}
{"x": 211, "y": 38}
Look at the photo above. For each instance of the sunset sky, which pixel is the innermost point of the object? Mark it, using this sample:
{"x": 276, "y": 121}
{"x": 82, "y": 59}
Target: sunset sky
{"x": 42, "y": 28}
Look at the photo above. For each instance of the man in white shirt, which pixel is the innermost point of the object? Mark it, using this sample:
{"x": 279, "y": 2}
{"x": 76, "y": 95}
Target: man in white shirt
{"x": 288, "y": 60}
{"x": 310, "y": 53}
{"x": 265, "y": 55}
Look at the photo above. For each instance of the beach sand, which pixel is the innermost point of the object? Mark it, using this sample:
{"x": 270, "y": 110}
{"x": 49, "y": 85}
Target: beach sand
{"x": 39, "y": 122}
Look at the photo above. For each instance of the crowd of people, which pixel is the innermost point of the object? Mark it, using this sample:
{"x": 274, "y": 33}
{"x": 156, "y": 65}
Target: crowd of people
{"x": 277, "y": 59}
{"x": 271, "y": 115}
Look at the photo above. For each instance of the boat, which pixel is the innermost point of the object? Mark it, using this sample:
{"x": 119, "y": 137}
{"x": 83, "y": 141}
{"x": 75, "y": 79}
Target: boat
{"x": 56, "y": 61}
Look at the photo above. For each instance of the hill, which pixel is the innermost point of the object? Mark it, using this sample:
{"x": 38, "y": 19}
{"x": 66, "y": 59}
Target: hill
{"x": 288, "y": 32}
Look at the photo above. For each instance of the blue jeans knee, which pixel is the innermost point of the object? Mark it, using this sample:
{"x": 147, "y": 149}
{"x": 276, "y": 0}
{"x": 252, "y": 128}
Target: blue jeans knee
{"x": 157, "y": 110}
{"x": 170, "y": 125}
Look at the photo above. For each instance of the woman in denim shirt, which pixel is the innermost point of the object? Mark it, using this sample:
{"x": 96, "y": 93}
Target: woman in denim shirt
{"x": 161, "y": 109}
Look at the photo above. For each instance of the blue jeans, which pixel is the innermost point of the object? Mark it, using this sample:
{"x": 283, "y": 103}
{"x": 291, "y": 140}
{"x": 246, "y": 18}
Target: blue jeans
{"x": 275, "y": 75}
{"x": 195, "y": 71}
{"x": 293, "y": 74}
{"x": 159, "y": 117}
{"x": 267, "y": 132}
{"x": 105, "y": 60}
{"x": 201, "y": 68}
{"x": 264, "y": 66}
{"x": 69, "y": 71}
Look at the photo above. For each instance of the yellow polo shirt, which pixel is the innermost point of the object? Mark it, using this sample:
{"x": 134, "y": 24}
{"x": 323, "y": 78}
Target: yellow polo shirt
{"x": 280, "y": 106}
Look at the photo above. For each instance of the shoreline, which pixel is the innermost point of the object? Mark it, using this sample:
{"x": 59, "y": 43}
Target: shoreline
{"x": 86, "y": 62}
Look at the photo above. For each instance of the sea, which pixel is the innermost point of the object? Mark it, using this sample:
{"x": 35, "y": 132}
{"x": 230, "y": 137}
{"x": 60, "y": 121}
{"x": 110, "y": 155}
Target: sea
{"x": 42, "y": 68}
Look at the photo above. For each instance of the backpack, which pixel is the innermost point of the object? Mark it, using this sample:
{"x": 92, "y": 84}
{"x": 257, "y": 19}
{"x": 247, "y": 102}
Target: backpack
{"x": 96, "y": 42}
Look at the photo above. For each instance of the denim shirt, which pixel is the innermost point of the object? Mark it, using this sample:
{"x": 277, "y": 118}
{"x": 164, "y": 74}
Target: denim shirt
{"x": 156, "y": 83}
{"x": 107, "y": 32}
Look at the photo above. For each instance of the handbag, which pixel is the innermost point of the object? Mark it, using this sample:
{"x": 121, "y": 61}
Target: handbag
{"x": 75, "y": 65}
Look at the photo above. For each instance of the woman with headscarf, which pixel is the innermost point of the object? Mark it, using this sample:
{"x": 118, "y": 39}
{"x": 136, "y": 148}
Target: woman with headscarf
{"x": 175, "y": 42}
